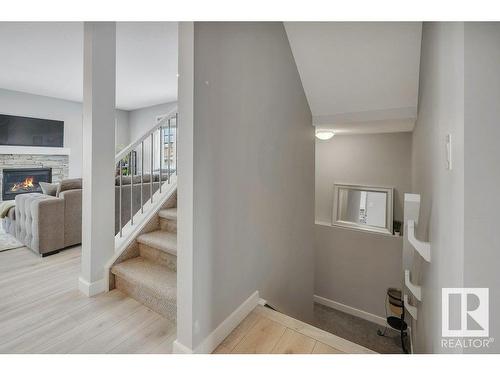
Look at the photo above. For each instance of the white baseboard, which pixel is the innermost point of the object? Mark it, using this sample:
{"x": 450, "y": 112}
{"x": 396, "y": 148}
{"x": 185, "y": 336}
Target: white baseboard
{"x": 92, "y": 289}
{"x": 350, "y": 310}
{"x": 178, "y": 348}
{"x": 218, "y": 335}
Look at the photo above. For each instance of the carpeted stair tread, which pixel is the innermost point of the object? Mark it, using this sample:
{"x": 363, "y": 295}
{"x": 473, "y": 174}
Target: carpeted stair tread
{"x": 155, "y": 278}
{"x": 161, "y": 240}
{"x": 168, "y": 213}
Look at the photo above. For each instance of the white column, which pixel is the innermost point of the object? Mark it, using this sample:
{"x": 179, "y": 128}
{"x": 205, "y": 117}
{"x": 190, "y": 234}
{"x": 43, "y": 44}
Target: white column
{"x": 185, "y": 198}
{"x": 98, "y": 205}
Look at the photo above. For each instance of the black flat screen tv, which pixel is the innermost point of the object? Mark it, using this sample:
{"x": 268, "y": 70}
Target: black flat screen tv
{"x": 27, "y": 131}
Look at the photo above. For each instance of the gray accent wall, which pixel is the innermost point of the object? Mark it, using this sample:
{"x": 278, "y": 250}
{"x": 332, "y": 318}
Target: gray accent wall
{"x": 441, "y": 221}
{"x": 23, "y": 104}
{"x": 122, "y": 133}
{"x": 362, "y": 159}
{"x": 459, "y": 95}
{"x": 253, "y": 174}
{"x": 143, "y": 119}
{"x": 355, "y": 268}
{"x": 482, "y": 166}
{"x": 140, "y": 122}
{"x": 352, "y": 267}
{"x": 130, "y": 125}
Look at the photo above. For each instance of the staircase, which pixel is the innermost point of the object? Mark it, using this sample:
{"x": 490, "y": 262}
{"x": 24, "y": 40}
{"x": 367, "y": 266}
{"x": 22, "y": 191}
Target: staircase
{"x": 151, "y": 277}
{"x": 145, "y": 262}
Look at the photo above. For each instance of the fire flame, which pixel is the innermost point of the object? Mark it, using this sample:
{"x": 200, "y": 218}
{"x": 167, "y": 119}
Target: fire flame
{"x": 27, "y": 184}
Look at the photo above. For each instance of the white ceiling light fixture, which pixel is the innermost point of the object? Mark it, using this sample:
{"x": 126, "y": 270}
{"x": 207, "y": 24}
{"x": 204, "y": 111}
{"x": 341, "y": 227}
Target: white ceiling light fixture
{"x": 324, "y": 135}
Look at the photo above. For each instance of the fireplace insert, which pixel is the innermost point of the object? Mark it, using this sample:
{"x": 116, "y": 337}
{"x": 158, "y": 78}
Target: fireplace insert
{"x": 23, "y": 180}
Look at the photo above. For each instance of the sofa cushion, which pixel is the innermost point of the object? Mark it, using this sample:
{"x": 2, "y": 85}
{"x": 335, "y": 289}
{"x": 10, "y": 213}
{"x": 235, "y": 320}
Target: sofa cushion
{"x": 136, "y": 179}
{"x": 48, "y": 188}
{"x": 69, "y": 184}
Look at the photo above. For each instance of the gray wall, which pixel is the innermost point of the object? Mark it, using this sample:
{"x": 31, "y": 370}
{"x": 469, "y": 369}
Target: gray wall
{"x": 140, "y": 121}
{"x": 368, "y": 159}
{"x": 441, "y": 111}
{"x": 23, "y": 104}
{"x": 122, "y": 133}
{"x": 355, "y": 268}
{"x": 482, "y": 161}
{"x": 352, "y": 267}
{"x": 143, "y": 119}
{"x": 253, "y": 173}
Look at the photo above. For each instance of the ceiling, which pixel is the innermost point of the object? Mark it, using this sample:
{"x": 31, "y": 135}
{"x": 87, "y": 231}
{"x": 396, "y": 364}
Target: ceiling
{"x": 46, "y": 58}
{"x": 359, "y": 77}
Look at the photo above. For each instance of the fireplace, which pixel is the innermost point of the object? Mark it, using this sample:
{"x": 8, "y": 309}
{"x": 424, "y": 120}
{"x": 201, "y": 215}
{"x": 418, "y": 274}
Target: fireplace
{"x": 23, "y": 180}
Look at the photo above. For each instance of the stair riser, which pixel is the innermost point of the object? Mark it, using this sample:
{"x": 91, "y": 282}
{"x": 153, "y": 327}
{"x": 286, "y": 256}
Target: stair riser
{"x": 158, "y": 256}
{"x": 168, "y": 225}
{"x": 166, "y": 308}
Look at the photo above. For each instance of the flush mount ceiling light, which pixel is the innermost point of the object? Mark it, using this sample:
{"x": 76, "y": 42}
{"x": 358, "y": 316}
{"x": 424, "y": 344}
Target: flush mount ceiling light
{"x": 324, "y": 135}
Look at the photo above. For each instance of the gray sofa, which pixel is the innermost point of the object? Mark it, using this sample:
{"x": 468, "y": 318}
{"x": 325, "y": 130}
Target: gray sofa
{"x": 47, "y": 224}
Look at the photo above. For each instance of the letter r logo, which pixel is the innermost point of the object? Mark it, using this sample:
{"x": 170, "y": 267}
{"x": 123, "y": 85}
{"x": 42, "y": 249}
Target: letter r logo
{"x": 468, "y": 316}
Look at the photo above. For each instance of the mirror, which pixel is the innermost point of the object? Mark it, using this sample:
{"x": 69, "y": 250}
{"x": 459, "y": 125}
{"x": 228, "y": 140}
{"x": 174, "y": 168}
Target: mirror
{"x": 363, "y": 207}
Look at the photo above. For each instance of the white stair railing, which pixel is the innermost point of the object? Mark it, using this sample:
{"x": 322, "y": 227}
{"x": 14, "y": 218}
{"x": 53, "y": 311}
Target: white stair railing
{"x": 144, "y": 168}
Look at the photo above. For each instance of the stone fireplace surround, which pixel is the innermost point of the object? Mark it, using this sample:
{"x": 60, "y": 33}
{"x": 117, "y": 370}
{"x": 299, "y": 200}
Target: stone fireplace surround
{"x": 58, "y": 163}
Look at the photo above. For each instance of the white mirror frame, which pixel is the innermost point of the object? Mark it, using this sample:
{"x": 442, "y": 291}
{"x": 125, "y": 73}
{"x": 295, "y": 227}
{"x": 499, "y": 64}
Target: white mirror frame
{"x": 348, "y": 224}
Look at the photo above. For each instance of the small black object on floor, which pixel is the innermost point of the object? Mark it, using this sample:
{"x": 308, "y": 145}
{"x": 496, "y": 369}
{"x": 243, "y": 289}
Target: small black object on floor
{"x": 395, "y": 323}
{"x": 398, "y": 323}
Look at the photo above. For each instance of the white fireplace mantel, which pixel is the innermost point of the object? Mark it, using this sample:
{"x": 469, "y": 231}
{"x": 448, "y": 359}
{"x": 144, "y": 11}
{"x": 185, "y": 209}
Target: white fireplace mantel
{"x": 33, "y": 150}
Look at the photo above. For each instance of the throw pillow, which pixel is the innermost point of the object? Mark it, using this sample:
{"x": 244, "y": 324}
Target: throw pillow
{"x": 69, "y": 184}
{"x": 48, "y": 188}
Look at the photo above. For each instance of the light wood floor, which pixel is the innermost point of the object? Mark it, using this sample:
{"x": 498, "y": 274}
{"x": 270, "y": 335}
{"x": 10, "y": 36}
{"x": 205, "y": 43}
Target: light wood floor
{"x": 42, "y": 311}
{"x": 265, "y": 331}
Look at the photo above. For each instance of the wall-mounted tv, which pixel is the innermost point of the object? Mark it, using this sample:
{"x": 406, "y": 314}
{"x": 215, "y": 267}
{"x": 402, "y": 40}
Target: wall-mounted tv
{"x": 27, "y": 131}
